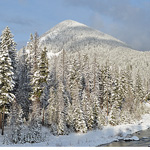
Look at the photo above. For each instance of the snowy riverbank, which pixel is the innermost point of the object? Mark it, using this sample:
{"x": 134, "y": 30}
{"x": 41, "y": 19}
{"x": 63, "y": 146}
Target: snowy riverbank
{"x": 91, "y": 138}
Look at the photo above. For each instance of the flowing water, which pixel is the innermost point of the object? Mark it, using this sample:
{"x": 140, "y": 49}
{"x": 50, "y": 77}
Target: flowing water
{"x": 144, "y": 140}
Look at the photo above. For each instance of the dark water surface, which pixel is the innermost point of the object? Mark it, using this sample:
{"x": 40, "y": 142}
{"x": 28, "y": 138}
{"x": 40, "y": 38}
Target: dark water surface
{"x": 144, "y": 140}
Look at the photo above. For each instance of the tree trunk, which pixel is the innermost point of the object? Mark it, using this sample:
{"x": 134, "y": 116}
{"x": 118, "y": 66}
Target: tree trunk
{"x": 3, "y": 120}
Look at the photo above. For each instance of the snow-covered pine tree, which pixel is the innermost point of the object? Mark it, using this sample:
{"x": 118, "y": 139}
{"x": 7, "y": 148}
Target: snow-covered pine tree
{"x": 64, "y": 96}
{"x": 34, "y": 69}
{"x": 52, "y": 110}
{"x": 61, "y": 126}
{"x": 78, "y": 117}
{"x": 41, "y": 82}
{"x": 15, "y": 122}
{"x": 74, "y": 77}
{"x": 35, "y": 116}
{"x": 107, "y": 82}
{"x": 53, "y": 100}
{"x": 116, "y": 100}
{"x": 139, "y": 89}
{"x": 35, "y": 50}
{"x": 79, "y": 122}
{"x": 138, "y": 108}
{"x": 100, "y": 86}
{"x": 123, "y": 83}
{"x": 7, "y": 67}
{"x": 35, "y": 134}
{"x": 128, "y": 94}
{"x": 97, "y": 94}
{"x": 7, "y": 39}
{"x": 61, "y": 123}
{"x": 98, "y": 98}
{"x": 87, "y": 111}
{"x": 30, "y": 43}
{"x": 24, "y": 88}
{"x": 69, "y": 117}
{"x": 129, "y": 77}
{"x": 84, "y": 98}
{"x": 128, "y": 107}
{"x": 114, "y": 114}
{"x": 68, "y": 93}
{"x": 30, "y": 52}
{"x": 43, "y": 66}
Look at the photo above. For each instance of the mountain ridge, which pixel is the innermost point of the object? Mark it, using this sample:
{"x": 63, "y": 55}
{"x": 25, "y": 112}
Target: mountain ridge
{"x": 78, "y": 33}
{"x": 72, "y": 23}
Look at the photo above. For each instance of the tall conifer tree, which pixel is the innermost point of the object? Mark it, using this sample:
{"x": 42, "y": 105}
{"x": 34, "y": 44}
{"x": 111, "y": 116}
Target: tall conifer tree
{"x": 7, "y": 70}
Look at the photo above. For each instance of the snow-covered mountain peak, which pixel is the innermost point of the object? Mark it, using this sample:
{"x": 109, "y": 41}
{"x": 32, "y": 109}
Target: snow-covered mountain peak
{"x": 71, "y": 23}
{"x": 70, "y": 34}
{"x": 65, "y": 25}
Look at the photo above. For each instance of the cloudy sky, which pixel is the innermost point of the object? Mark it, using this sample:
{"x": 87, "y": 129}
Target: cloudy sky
{"x": 127, "y": 20}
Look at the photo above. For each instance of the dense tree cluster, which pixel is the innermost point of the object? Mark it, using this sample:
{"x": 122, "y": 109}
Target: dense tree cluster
{"x": 66, "y": 93}
{"x": 87, "y": 96}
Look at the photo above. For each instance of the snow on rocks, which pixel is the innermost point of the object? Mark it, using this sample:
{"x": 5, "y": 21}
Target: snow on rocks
{"x": 133, "y": 138}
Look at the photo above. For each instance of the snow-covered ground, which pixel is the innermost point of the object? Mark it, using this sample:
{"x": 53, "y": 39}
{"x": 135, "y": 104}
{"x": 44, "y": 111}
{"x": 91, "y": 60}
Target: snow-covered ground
{"x": 91, "y": 138}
